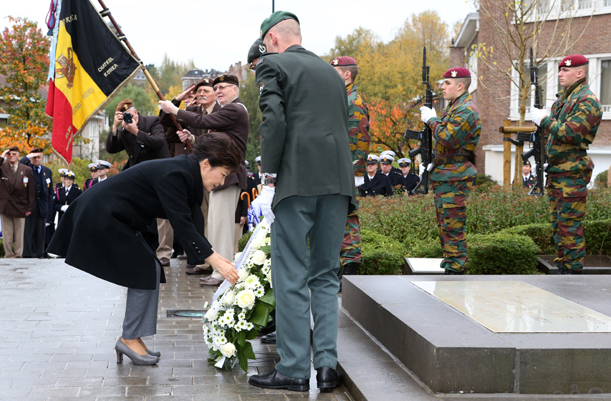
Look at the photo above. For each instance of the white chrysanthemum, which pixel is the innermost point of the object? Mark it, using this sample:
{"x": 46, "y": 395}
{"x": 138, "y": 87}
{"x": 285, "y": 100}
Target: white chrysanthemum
{"x": 246, "y": 299}
{"x": 252, "y": 282}
{"x": 268, "y": 240}
{"x": 240, "y": 325}
{"x": 259, "y": 257}
{"x": 220, "y": 340}
{"x": 242, "y": 315}
{"x": 249, "y": 326}
{"x": 228, "y": 298}
{"x": 265, "y": 270}
{"x": 228, "y": 350}
{"x": 259, "y": 292}
{"x": 243, "y": 273}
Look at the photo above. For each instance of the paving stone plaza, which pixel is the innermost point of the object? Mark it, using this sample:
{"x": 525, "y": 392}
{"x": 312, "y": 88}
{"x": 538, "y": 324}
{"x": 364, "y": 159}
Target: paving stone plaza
{"x": 60, "y": 325}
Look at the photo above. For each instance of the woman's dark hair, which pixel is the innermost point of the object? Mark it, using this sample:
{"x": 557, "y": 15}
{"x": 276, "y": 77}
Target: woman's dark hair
{"x": 219, "y": 149}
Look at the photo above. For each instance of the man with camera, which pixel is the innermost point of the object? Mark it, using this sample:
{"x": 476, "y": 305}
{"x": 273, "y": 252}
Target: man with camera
{"x": 142, "y": 137}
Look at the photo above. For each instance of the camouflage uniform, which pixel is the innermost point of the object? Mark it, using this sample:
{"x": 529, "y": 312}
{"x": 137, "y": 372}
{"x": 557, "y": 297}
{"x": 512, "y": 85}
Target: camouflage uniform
{"x": 358, "y": 122}
{"x": 570, "y": 129}
{"x": 455, "y": 137}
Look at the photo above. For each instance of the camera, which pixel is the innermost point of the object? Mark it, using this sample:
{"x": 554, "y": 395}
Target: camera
{"x": 127, "y": 118}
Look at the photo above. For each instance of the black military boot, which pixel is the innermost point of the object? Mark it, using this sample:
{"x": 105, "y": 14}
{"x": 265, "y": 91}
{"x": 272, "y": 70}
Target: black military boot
{"x": 450, "y": 271}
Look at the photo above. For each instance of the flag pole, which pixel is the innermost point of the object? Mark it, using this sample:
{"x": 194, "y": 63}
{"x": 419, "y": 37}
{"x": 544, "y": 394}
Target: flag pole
{"x": 106, "y": 13}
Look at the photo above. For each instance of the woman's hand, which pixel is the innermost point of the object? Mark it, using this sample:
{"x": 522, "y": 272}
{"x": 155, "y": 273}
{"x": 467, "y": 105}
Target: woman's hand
{"x": 224, "y": 267}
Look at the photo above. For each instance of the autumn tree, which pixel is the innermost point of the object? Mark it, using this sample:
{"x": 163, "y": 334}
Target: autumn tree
{"x": 517, "y": 25}
{"x": 24, "y": 63}
{"x": 249, "y": 93}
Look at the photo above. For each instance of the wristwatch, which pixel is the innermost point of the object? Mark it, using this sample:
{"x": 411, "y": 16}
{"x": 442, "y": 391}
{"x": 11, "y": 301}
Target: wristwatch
{"x": 269, "y": 180}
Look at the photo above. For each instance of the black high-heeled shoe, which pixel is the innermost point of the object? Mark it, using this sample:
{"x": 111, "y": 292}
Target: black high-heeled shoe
{"x": 121, "y": 348}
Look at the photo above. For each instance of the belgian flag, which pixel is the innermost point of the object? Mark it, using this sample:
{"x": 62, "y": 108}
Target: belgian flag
{"x": 89, "y": 65}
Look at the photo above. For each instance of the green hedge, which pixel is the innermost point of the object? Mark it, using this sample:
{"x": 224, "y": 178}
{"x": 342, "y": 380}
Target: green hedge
{"x": 598, "y": 237}
{"x": 244, "y": 240}
{"x": 381, "y": 254}
{"x": 501, "y": 254}
{"x": 1, "y": 249}
{"x": 541, "y": 234}
{"x": 601, "y": 179}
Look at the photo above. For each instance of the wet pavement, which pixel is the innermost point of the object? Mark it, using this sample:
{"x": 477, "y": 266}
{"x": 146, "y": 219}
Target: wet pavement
{"x": 59, "y": 327}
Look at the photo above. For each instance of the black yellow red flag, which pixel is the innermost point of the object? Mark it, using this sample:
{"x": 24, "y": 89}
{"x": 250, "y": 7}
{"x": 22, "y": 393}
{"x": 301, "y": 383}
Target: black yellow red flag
{"x": 88, "y": 66}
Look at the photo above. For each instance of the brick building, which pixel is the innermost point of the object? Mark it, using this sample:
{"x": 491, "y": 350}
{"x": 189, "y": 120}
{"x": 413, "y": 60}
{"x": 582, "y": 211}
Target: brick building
{"x": 497, "y": 97}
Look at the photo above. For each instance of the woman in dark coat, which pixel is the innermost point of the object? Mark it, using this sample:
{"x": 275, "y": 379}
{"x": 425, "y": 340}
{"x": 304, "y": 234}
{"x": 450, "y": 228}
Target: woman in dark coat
{"x": 129, "y": 203}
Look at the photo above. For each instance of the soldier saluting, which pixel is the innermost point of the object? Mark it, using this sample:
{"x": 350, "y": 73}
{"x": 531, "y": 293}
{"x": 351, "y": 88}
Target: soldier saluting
{"x": 570, "y": 129}
{"x": 455, "y": 137}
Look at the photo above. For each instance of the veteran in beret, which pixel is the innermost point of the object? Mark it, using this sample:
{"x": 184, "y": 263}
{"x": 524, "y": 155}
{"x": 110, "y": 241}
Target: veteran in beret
{"x": 375, "y": 183}
{"x": 304, "y": 106}
{"x": 570, "y": 128}
{"x": 232, "y": 119}
{"x": 455, "y": 137}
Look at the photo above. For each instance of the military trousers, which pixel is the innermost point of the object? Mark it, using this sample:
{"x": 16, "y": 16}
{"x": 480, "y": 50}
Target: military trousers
{"x": 451, "y": 210}
{"x": 351, "y": 247}
{"x": 567, "y": 195}
{"x": 304, "y": 279}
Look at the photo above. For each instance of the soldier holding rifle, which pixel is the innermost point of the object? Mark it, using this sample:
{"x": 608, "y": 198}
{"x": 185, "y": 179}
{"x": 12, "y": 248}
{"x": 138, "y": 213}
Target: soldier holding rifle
{"x": 455, "y": 137}
{"x": 570, "y": 129}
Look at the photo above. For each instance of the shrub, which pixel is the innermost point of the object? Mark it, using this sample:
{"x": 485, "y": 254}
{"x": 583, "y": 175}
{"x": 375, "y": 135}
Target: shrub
{"x": 381, "y": 254}
{"x": 429, "y": 248}
{"x": 243, "y": 241}
{"x": 541, "y": 234}
{"x": 601, "y": 180}
{"x": 501, "y": 254}
{"x": 483, "y": 179}
{"x": 1, "y": 249}
{"x": 598, "y": 237}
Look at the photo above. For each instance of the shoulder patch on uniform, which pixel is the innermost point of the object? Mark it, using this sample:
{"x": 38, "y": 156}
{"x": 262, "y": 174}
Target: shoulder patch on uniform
{"x": 260, "y": 61}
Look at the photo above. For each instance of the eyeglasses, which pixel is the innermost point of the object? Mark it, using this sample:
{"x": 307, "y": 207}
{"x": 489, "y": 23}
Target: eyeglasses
{"x": 13, "y": 153}
{"x": 221, "y": 87}
{"x": 252, "y": 66}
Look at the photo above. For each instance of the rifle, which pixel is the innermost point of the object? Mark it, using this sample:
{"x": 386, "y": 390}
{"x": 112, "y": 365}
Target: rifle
{"x": 536, "y": 138}
{"x": 425, "y": 136}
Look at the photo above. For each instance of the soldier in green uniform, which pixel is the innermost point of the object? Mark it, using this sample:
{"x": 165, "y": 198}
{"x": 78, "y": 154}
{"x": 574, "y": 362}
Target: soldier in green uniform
{"x": 358, "y": 123}
{"x": 455, "y": 137}
{"x": 308, "y": 192}
{"x": 570, "y": 128}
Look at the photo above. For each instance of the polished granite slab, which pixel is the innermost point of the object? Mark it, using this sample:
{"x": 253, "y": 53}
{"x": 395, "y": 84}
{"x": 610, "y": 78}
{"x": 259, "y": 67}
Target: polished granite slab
{"x": 425, "y": 265}
{"x": 517, "y": 307}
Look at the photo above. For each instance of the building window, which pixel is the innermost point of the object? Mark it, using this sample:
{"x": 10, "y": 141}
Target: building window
{"x": 566, "y": 5}
{"x": 543, "y": 7}
{"x": 605, "y": 85}
{"x": 607, "y": 3}
{"x": 584, "y": 4}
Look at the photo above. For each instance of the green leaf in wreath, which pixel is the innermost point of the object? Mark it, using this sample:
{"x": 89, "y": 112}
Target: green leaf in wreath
{"x": 269, "y": 298}
{"x": 267, "y": 249}
{"x": 241, "y": 338}
{"x": 260, "y": 314}
{"x": 248, "y": 351}
{"x": 252, "y": 334}
{"x": 242, "y": 358}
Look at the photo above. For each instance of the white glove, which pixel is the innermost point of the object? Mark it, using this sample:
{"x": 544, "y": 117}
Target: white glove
{"x": 265, "y": 201}
{"x": 358, "y": 181}
{"x": 426, "y": 114}
{"x": 536, "y": 115}
{"x": 421, "y": 169}
{"x": 64, "y": 208}
{"x": 47, "y": 224}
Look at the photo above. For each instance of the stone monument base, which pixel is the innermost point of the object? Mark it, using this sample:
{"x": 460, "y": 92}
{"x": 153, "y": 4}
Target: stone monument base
{"x": 451, "y": 352}
{"x": 592, "y": 264}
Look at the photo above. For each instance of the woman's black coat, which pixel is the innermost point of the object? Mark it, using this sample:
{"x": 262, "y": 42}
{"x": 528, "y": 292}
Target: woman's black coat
{"x": 100, "y": 231}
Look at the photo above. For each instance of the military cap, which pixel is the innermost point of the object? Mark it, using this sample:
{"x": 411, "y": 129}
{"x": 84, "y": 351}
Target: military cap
{"x": 203, "y": 82}
{"x": 69, "y": 174}
{"x": 457, "y": 72}
{"x": 526, "y": 163}
{"x": 274, "y": 19}
{"x": 13, "y": 148}
{"x": 92, "y": 167}
{"x": 246, "y": 162}
{"x": 388, "y": 152}
{"x": 372, "y": 159}
{"x": 387, "y": 159}
{"x": 124, "y": 105}
{"x": 226, "y": 79}
{"x": 62, "y": 172}
{"x": 256, "y": 50}
{"x": 574, "y": 60}
{"x": 404, "y": 162}
{"x": 343, "y": 61}
{"x": 100, "y": 164}
{"x": 258, "y": 159}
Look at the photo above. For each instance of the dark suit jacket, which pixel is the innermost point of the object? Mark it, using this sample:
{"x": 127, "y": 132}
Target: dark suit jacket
{"x": 395, "y": 177}
{"x": 410, "y": 181}
{"x": 16, "y": 196}
{"x": 115, "y": 213}
{"x": 304, "y": 134}
{"x": 149, "y": 144}
{"x": 176, "y": 146}
{"x": 43, "y": 188}
{"x": 379, "y": 185}
{"x": 231, "y": 119}
{"x": 61, "y": 199}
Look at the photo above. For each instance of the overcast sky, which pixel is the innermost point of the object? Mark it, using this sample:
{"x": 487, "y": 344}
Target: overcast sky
{"x": 215, "y": 34}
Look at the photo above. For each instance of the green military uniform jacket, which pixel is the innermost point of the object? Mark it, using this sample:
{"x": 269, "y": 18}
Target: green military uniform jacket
{"x": 304, "y": 134}
{"x": 571, "y": 128}
{"x": 358, "y": 124}
{"x": 455, "y": 137}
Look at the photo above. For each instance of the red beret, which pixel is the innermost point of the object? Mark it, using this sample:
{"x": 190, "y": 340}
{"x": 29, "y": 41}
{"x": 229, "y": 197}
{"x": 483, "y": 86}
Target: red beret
{"x": 343, "y": 61}
{"x": 457, "y": 72}
{"x": 573, "y": 61}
